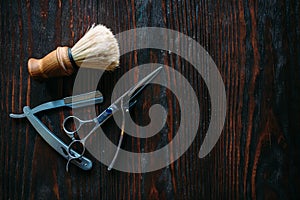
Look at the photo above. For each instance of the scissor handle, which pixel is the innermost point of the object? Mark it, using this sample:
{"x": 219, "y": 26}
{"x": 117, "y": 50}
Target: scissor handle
{"x": 79, "y": 145}
{"x": 72, "y": 124}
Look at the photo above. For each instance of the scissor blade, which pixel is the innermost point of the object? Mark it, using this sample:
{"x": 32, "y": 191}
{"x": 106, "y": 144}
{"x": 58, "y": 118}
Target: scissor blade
{"x": 142, "y": 83}
{"x": 114, "y": 107}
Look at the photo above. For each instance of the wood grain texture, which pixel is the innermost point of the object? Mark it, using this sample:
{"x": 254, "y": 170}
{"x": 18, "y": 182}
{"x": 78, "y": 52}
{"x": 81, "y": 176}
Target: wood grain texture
{"x": 254, "y": 43}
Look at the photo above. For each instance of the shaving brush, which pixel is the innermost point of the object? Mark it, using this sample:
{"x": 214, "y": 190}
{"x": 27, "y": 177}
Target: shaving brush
{"x": 97, "y": 49}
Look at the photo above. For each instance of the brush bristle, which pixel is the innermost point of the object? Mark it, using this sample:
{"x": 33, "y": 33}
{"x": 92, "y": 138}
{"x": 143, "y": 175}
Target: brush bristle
{"x": 98, "y": 49}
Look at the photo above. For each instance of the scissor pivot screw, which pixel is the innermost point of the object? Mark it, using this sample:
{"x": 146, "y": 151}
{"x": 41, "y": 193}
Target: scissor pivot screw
{"x": 109, "y": 110}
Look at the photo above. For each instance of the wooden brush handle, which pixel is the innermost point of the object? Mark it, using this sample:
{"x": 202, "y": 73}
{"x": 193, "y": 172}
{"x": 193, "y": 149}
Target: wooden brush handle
{"x": 56, "y": 63}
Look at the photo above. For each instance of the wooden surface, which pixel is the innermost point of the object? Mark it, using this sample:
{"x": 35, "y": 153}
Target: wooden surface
{"x": 256, "y": 46}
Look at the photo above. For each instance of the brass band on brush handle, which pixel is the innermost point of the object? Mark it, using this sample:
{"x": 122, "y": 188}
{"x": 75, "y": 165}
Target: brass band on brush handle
{"x": 56, "y": 63}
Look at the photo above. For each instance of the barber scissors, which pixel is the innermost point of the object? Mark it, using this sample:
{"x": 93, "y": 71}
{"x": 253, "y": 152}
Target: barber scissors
{"x": 121, "y": 104}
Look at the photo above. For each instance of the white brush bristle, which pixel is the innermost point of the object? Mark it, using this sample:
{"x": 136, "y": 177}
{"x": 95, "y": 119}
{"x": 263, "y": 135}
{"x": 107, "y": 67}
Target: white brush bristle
{"x": 98, "y": 49}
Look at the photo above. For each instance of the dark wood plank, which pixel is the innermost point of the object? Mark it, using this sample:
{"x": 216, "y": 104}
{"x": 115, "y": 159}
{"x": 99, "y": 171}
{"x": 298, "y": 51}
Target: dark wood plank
{"x": 255, "y": 45}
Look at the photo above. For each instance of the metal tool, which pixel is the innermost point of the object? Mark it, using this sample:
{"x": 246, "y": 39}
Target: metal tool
{"x": 76, "y": 101}
{"x": 108, "y": 112}
{"x": 55, "y": 142}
